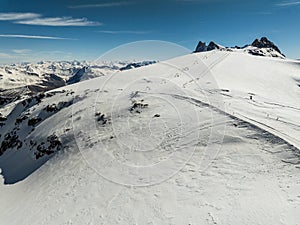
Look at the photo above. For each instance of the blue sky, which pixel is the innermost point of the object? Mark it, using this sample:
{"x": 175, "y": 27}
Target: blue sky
{"x": 35, "y": 30}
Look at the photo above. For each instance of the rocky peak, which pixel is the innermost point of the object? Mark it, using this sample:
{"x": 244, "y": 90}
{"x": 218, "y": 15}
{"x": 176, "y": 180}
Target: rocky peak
{"x": 212, "y": 45}
{"x": 265, "y": 43}
{"x": 78, "y": 75}
{"x": 202, "y": 47}
{"x": 260, "y": 47}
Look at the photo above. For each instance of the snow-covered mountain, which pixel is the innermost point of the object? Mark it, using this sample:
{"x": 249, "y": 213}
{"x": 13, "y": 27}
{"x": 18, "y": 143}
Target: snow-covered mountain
{"x": 259, "y": 47}
{"x": 206, "y": 138}
{"x": 26, "y": 79}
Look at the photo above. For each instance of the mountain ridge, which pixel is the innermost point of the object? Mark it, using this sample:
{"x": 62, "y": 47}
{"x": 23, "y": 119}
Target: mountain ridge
{"x": 259, "y": 47}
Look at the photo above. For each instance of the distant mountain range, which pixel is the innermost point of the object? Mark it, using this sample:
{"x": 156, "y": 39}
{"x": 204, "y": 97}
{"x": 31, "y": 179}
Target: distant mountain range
{"x": 26, "y": 79}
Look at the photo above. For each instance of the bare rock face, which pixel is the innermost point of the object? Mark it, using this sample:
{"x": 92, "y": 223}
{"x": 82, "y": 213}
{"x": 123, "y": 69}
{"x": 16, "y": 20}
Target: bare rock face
{"x": 260, "y": 47}
{"x": 212, "y": 46}
{"x": 202, "y": 47}
{"x": 78, "y": 75}
{"x": 265, "y": 43}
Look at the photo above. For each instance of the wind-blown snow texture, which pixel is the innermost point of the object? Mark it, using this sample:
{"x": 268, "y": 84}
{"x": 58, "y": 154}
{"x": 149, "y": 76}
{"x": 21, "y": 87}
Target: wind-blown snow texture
{"x": 234, "y": 144}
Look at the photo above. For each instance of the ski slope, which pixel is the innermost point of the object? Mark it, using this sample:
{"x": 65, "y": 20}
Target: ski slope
{"x": 206, "y": 138}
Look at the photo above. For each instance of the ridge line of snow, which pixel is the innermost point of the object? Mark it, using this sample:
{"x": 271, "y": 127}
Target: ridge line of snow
{"x": 257, "y": 125}
{"x": 290, "y": 140}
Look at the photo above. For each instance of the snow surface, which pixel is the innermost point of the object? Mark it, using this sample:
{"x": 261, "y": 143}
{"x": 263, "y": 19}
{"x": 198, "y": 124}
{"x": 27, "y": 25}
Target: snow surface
{"x": 207, "y": 138}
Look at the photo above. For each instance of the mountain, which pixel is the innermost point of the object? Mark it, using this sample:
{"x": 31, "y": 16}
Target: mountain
{"x": 137, "y": 65}
{"x": 259, "y": 47}
{"x": 27, "y": 79}
{"x": 87, "y": 72}
{"x": 206, "y": 138}
{"x": 202, "y": 47}
{"x": 265, "y": 43}
{"x": 78, "y": 75}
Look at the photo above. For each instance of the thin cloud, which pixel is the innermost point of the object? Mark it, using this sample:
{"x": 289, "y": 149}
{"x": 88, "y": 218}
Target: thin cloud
{"x": 53, "y": 52}
{"x": 100, "y": 5}
{"x": 22, "y": 51}
{"x": 18, "y": 16}
{"x": 264, "y": 13}
{"x": 29, "y": 18}
{"x": 124, "y": 32}
{"x": 5, "y": 55}
{"x": 288, "y": 3}
{"x": 33, "y": 37}
{"x": 59, "y": 21}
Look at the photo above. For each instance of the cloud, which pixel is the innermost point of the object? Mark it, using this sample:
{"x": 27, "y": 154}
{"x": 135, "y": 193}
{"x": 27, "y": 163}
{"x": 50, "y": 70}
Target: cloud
{"x": 5, "y": 55}
{"x": 37, "y": 19}
{"x": 22, "y": 51}
{"x": 124, "y": 32}
{"x": 51, "y": 52}
{"x": 100, "y": 5}
{"x": 18, "y": 16}
{"x": 288, "y": 3}
{"x": 59, "y": 21}
{"x": 264, "y": 13}
{"x": 33, "y": 37}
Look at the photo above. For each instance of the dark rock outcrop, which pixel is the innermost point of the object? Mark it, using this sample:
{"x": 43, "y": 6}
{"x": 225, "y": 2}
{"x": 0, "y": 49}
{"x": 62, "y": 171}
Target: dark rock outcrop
{"x": 260, "y": 47}
{"x": 11, "y": 140}
{"x": 202, "y": 47}
{"x": 212, "y": 46}
{"x": 265, "y": 43}
{"x": 137, "y": 65}
{"x": 52, "y": 145}
{"x": 78, "y": 75}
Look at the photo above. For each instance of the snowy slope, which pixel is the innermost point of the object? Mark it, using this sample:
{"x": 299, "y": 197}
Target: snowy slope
{"x": 263, "y": 91}
{"x": 207, "y": 138}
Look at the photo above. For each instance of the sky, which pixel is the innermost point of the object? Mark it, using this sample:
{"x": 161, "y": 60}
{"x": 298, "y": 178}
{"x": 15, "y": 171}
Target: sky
{"x": 35, "y": 30}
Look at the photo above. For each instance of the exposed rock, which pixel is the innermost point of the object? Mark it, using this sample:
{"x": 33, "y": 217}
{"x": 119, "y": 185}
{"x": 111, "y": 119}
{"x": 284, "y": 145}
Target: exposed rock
{"x": 51, "y": 108}
{"x": 21, "y": 119}
{"x": 212, "y": 46}
{"x": 57, "y": 107}
{"x": 260, "y": 47}
{"x": 11, "y": 140}
{"x": 53, "y": 145}
{"x": 138, "y": 106}
{"x": 101, "y": 118}
{"x": 265, "y": 43}
{"x": 137, "y": 65}
{"x": 201, "y": 47}
{"x": 34, "y": 121}
{"x": 78, "y": 75}
{"x": 3, "y": 118}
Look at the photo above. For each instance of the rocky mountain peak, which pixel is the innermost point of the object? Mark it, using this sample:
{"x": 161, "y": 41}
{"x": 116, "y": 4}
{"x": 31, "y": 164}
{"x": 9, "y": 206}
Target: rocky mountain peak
{"x": 202, "y": 47}
{"x": 265, "y": 43}
{"x": 260, "y": 47}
